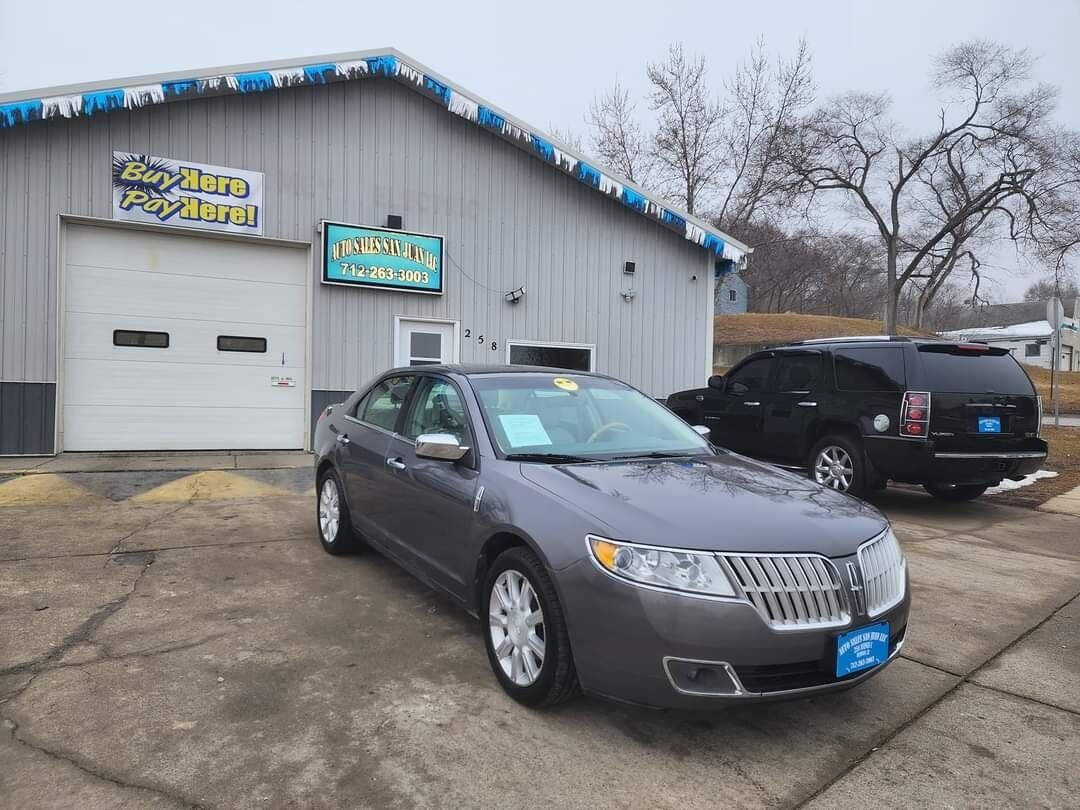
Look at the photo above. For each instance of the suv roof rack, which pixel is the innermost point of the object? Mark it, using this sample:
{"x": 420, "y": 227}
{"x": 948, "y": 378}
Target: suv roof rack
{"x": 851, "y": 339}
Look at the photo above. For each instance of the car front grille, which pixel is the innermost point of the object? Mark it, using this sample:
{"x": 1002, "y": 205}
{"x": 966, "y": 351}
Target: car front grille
{"x": 883, "y": 569}
{"x": 791, "y": 591}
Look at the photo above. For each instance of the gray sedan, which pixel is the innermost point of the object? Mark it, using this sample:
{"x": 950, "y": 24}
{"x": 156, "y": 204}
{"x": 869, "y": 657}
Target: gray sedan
{"x": 604, "y": 544}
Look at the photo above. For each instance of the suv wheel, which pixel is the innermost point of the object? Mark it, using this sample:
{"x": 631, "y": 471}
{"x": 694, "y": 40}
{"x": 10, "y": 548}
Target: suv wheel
{"x": 956, "y": 492}
{"x": 332, "y": 517}
{"x": 837, "y": 462}
{"x": 525, "y": 633}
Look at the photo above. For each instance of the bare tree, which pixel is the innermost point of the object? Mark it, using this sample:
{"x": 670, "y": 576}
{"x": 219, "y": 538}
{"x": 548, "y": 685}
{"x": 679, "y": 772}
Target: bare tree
{"x": 686, "y": 144}
{"x": 1049, "y": 287}
{"x": 567, "y": 136}
{"x": 988, "y": 134}
{"x": 763, "y": 102}
{"x": 617, "y": 136}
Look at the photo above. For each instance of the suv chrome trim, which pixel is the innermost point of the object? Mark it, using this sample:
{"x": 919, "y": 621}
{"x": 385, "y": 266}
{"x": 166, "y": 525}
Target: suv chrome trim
{"x": 999, "y": 454}
{"x": 884, "y": 571}
{"x": 790, "y": 592}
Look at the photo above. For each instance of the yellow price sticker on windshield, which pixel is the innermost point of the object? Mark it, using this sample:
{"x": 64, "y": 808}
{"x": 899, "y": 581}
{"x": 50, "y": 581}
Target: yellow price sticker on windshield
{"x": 565, "y": 384}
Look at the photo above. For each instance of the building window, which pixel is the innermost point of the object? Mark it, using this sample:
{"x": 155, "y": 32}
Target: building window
{"x": 731, "y": 296}
{"x": 232, "y": 343}
{"x": 575, "y": 357}
{"x": 136, "y": 337}
{"x": 1032, "y": 350}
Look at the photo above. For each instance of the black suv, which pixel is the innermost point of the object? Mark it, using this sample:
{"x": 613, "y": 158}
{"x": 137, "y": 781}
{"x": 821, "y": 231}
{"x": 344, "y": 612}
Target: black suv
{"x": 858, "y": 412}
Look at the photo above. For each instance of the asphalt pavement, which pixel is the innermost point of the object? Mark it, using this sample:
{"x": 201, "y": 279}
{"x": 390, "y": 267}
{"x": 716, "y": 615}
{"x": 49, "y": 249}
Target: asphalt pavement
{"x": 177, "y": 638}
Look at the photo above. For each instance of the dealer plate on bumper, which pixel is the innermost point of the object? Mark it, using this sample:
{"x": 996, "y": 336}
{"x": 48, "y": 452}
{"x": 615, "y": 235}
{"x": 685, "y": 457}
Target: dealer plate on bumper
{"x": 862, "y": 649}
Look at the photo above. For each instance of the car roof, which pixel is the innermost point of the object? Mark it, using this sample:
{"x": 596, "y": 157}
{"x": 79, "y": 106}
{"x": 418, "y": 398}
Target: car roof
{"x": 477, "y": 369}
{"x": 858, "y": 340}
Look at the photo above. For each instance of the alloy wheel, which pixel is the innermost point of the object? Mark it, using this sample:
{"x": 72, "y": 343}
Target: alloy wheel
{"x": 833, "y": 468}
{"x": 516, "y": 624}
{"x": 329, "y": 510}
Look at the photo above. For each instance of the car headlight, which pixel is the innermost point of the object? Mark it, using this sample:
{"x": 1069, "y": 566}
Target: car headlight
{"x": 677, "y": 570}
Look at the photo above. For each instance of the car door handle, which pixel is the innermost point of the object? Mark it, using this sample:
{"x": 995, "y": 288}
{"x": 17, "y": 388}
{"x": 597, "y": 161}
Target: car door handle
{"x": 752, "y": 404}
{"x": 807, "y": 404}
{"x": 343, "y": 438}
{"x": 397, "y": 464}
{"x": 700, "y": 398}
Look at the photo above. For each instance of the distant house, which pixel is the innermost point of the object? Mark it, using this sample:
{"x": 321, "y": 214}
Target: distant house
{"x": 731, "y": 292}
{"x": 1024, "y": 329}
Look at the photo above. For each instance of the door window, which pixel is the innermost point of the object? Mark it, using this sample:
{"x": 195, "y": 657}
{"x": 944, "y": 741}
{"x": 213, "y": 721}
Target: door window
{"x": 438, "y": 409}
{"x": 798, "y": 372}
{"x": 385, "y": 401}
{"x": 750, "y": 377}
{"x": 425, "y": 348}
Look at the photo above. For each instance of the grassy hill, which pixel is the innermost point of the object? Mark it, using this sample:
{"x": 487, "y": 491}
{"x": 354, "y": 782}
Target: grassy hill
{"x": 1070, "y": 389}
{"x": 760, "y": 327}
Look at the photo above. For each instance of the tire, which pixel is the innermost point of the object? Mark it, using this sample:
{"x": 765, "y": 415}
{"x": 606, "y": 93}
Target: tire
{"x": 847, "y": 455}
{"x": 532, "y": 680}
{"x": 956, "y": 492}
{"x": 336, "y": 538}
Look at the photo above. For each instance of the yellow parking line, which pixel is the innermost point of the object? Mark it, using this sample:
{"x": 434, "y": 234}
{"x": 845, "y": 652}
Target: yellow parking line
{"x": 210, "y": 485}
{"x": 48, "y": 489}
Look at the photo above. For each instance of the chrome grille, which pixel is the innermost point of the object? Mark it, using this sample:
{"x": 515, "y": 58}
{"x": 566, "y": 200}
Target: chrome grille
{"x": 791, "y": 591}
{"x": 883, "y": 567}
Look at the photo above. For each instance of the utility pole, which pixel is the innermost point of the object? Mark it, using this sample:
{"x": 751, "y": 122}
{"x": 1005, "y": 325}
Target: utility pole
{"x": 1056, "y": 318}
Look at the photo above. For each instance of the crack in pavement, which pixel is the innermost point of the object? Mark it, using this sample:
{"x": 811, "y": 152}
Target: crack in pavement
{"x": 961, "y": 681}
{"x": 116, "y": 549}
{"x": 154, "y": 549}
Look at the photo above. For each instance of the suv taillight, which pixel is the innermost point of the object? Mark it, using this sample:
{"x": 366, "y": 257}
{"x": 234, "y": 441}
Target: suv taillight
{"x": 1038, "y": 415}
{"x": 915, "y": 414}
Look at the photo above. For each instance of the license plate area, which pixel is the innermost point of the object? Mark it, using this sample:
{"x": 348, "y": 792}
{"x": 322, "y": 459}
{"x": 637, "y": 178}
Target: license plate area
{"x": 989, "y": 424}
{"x": 860, "y": 649}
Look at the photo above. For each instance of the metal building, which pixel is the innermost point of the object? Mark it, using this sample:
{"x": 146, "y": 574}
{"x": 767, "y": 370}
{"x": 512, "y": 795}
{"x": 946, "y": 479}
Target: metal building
{"x": 204, "y": 261}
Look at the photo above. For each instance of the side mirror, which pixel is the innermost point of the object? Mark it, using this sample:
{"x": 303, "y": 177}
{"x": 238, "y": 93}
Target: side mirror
{"x": 440, "y": 446}
{"x": 701, "y": 430}
{"x": 717, "y": 381}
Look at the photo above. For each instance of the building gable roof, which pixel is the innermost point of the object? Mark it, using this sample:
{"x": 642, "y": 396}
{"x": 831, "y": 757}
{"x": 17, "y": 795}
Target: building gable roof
{"x": 101, "y": 98}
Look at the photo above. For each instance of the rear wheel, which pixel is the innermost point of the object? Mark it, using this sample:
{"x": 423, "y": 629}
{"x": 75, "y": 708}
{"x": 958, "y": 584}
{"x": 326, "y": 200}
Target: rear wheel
{"x": 956, "y": 492}
{"x": 525, "y": 632}
{"x": 332, "y": 516}
{"x": 837, "y": 462}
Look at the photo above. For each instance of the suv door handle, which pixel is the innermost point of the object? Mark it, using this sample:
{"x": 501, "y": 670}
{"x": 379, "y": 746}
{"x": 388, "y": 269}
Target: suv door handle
{"x": 343, "y": 438}
{"x": 807, "y": 404}
{"x": 754, "y": 404}
{"x": 700, "y": 398}
{"x": 396, "y": 463}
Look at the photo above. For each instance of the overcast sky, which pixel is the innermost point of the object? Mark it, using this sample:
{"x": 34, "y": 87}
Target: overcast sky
{"x": 544, "y": 62}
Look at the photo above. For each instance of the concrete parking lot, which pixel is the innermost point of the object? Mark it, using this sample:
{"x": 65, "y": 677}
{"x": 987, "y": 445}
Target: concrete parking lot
{"x": 178, "y": 639}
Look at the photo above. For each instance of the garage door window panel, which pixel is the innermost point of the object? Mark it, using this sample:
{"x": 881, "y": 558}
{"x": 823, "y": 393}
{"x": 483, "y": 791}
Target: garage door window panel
{"x": 235, "y": 343}
{"x": 140, "y": 339}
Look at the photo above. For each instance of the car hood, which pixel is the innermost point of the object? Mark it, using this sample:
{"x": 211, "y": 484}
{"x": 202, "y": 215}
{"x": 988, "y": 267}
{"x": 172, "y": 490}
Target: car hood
{"x": 711, "y": 503}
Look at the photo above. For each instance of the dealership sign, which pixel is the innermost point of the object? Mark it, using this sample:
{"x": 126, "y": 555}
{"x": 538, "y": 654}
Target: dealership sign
{"x": 190, "y": 195}
{"x": 359, "y": 256}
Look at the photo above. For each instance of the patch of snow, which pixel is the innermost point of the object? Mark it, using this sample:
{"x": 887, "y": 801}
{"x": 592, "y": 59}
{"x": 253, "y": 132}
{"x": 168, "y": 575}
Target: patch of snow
{"x": 1031, "y": 329}
{"x": 1007, "y": 486}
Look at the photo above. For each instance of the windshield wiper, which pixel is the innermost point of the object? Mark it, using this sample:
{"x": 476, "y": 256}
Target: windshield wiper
{"x": 550, "y": 458}
{"x": 652, "y": 454}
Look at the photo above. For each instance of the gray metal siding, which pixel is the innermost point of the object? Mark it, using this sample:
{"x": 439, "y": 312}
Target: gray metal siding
{"x": 27, "y": 418}
{"x": 354, "y": 152}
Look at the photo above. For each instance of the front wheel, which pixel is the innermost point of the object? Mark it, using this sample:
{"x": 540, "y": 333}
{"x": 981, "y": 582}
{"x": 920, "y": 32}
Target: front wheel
{"x": 525, "y": 631}
{"x": 837, "y": 462}
{"x": 332, "y": 517}
{"x": 956, "y": 492}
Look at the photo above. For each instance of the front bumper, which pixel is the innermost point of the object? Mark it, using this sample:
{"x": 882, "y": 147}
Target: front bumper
{"x": 916, "y": 461}
{"x": 626, "y": 640}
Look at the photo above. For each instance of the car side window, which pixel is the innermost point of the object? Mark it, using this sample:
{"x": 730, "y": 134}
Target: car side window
{"x": 383, "y": 404}
{"x": 750, "y": 377}
{"x": 798, "y": 372}
{"x": 869, "y": 369}
{"x": 438, "y": 409}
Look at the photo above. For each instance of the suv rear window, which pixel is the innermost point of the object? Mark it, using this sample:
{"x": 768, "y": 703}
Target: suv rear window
{"x": 970, "y": 373}
{"x": 870, "y": 369}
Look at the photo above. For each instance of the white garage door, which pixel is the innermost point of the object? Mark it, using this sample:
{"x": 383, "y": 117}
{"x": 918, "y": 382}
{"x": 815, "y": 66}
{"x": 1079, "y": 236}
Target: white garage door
{"x": 182, "y": 342}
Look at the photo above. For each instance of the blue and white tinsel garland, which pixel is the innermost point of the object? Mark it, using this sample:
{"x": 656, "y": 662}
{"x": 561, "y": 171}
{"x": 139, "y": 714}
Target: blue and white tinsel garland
{"x": 390, "y": 65}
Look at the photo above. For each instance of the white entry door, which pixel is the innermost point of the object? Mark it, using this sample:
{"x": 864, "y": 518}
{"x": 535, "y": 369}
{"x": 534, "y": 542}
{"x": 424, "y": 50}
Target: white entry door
{"x": 182, "y": 342}
{"x": 425, "y": 343}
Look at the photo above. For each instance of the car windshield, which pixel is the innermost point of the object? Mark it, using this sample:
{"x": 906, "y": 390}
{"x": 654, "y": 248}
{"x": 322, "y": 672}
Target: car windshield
{"x": 568, "y": 417}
